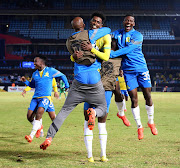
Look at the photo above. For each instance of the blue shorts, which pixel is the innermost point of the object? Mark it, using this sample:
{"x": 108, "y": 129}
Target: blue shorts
{"x": 138, "y": 78}
{"x": 108, "y": 95}
{"x": 50, "y": 108}
{"x": 125, "y": 93}
{"x": 41, "y": 102}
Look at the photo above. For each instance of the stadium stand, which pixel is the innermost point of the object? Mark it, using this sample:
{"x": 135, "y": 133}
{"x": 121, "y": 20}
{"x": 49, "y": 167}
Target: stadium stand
{"x": 46, "y": 24}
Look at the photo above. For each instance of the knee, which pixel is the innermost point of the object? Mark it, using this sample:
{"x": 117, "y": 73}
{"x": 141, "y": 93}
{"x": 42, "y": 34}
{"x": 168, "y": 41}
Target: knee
{"x": 134, "y": 101}
{"x": 30, "y": 118}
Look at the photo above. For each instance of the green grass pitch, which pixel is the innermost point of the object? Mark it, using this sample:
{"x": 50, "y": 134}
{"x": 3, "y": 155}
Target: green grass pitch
{"x": 124, "y": 150}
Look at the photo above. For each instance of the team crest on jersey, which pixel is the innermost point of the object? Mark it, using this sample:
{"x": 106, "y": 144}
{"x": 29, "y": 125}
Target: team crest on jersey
{"x": 128, "y": 39}
{"x": 47, "y": 74}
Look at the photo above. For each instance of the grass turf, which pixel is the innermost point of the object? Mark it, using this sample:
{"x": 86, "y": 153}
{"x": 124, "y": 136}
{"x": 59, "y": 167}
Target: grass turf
{"x": 67, "y": 148}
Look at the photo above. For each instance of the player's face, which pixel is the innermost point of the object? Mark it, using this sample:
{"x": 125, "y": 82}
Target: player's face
{"x": 121, "y": 73}
{"x": 38, "y": 63}
{"x": 128, "y": 23}
{"x": 96, "y": 22}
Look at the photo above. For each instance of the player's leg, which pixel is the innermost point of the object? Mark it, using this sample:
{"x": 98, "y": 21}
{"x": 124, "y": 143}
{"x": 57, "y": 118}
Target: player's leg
{"x": 145, "y": 84}
{"x": 88, "y": 134}
{"x": 125, "y": 93}
{"x": 136, "y": 112}
{"x": 132, "y": 84}
{"x": 65, "y": 94}
{"x": 102, "y": 128}
{"x": 95, "y": 95}
{"x": 32, "y": 111}
{"x": 75, "y": 97}
{"x": 43, "y": 104}
{"x": 31, "y": 116}
{"x": 150, "y": 109}
{"x": 119, "y": 99}
{"x": 52, "y": 115}
{"x": 103, "y": 137}
{"x": 60, "y": 92}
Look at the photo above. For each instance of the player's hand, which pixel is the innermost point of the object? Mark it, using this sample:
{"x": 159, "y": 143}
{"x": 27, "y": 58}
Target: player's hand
{"x": 23, "y": 93}
{"x": 86, "y": 46}
{"x": 77, "y": 54}
{"x": 56, "y": 95}
{"x": 23, "y": 79}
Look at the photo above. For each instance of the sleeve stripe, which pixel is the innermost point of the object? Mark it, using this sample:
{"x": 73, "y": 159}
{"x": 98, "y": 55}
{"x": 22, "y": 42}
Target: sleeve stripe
{"x": 56, "y": 74}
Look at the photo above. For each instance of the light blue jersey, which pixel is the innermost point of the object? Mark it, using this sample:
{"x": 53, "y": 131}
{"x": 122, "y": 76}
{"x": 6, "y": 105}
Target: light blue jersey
{"x": 43, "y": 85}
{"x": 88, "y": 74}
{"x": 130, "y": 48}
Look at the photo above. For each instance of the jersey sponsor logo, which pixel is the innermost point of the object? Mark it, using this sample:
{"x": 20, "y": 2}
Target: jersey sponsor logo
{"x": 47, "y": 74}
{"x": 146, "y": 75}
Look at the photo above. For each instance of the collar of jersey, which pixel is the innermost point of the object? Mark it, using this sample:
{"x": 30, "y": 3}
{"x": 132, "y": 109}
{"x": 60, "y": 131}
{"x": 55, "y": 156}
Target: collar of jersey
{"x": 43, "y": 69}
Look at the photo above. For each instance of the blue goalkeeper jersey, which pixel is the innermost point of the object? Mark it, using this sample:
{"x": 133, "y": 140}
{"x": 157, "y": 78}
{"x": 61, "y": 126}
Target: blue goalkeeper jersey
{"x": 130, "y": 48}
{"x": 43, "y": 85}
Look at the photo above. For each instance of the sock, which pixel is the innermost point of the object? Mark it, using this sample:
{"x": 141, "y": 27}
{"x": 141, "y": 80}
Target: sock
{"x": 102, "y": 137}
{"x": 88, "y": 137}
{"x": 36, "y": 126}
{"x": 33, "y": 121}
{"x": 120, "y": 107}
{"x": 41, "y": 124}
{"x": 136, "y": 115}
{"x": 124, "y": 104}
{"x": 150, "y": 113}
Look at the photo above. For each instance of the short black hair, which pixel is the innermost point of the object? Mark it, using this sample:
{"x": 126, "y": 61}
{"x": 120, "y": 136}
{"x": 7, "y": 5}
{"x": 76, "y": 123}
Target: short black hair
{"x": 99, "y": 14}
{"x": 43, "y": 57}
{"x": 129, "y": 15}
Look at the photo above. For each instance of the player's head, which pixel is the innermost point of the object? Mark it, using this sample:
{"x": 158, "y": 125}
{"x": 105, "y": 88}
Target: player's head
{"x": 121, "y": 72}
{"x": 78, "y": 24}
{"x": 129, "y": 22}
{"x": 40, "y": 62}
{"x": 97, "y": 20}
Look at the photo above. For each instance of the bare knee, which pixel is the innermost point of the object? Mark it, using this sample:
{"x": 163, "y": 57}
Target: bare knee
{"x": 30, "y": 115}
{"x": 102, "y": 119}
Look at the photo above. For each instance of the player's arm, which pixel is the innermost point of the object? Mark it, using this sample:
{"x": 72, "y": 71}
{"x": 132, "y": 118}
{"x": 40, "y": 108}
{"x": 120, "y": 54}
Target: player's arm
{"x": 136, "y": 41}
{"x": 28, "y": 83}
{"x": 54, "y": 85}
{"x": 25, "y": 90}
{"x": 60, "y": 75}
{"x": 106, "y": 49}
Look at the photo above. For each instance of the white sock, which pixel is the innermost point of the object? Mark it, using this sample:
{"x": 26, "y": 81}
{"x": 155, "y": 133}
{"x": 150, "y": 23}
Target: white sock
{"x": 33, "y": 121}
{"x": 36, "y": 126}
{"x": 88, "y": 137}
{"x": 150, "y": 113}
{"x": 41, "y": 124}
{"x": 136, "y": 115}
{"x": 95, "y": 113}
{"x": 120, "y": 106}
{"x": 102, "y": 137}
{"x": 124, "y": 104}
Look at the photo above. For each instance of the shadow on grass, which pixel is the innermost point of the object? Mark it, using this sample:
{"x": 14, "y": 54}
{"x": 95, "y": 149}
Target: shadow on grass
{"x": 21, "y": 156}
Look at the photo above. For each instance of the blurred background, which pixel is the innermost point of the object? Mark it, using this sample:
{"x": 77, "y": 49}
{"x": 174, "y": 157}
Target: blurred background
{"x": 32, "y": 27}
